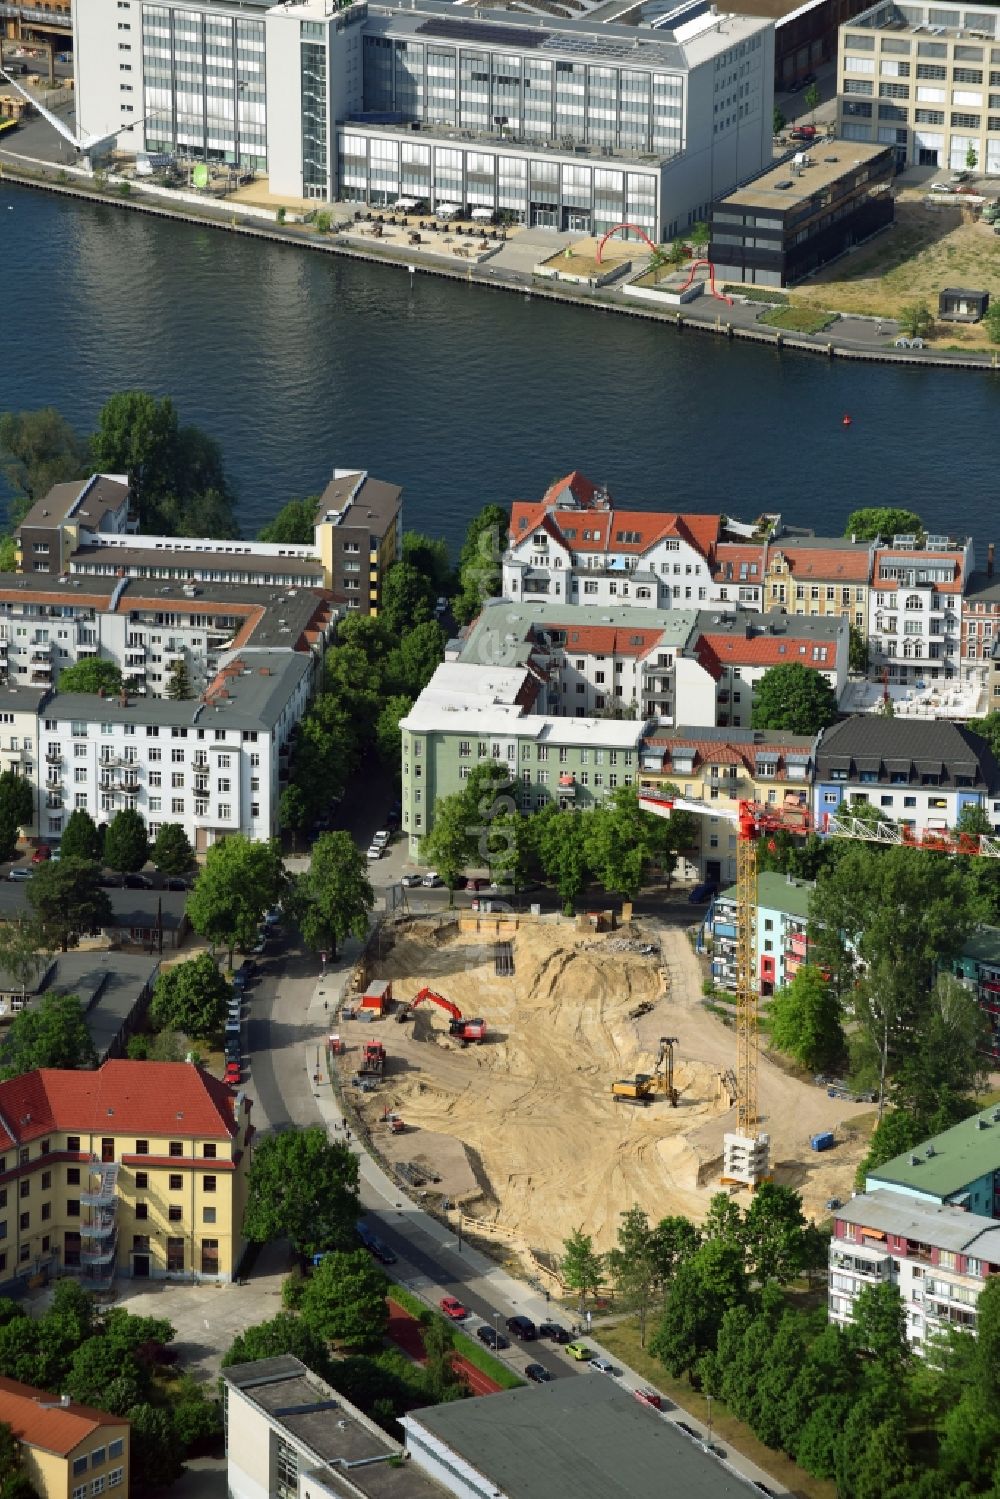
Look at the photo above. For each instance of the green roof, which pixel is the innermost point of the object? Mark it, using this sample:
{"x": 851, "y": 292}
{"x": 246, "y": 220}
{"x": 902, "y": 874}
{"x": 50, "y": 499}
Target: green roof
{"x": 983, "y": 946}
{"x": 776, "y": 893}
{"x": 960, "y": 1156}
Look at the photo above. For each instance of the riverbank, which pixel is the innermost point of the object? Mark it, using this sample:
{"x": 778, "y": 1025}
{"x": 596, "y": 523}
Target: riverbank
{"x": 855, "y": 339}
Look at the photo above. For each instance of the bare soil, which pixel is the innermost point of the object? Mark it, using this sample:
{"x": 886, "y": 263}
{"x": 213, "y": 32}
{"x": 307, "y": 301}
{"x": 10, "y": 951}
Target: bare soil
{"x": 523, "y": 1129}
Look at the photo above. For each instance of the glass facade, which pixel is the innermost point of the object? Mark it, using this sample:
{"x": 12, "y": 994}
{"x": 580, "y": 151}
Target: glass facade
{"x": 313, "y": 69}
{"x": 528, "y": 98}
{"x": 204, "y": 86}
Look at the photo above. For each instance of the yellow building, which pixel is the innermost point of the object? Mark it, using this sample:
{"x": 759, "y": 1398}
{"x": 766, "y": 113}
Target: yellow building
{"x": 813, "y": 576}
{"x": 70, "y": 1451}
{"x": 725, "y": 767}
{"x": 137, "y": 1168}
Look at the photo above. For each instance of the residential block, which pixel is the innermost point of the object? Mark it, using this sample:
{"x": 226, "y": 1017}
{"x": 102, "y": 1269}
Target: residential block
{"x": 68, "y": 1450}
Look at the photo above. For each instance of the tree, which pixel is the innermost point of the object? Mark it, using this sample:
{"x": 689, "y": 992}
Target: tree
{"x": 82, "y": 838}
{"x": 509, "y": 849}
{"x": 14, "y": 1482}
{"x": 238, "y": 882}
{"x": 634, "y": 1264}
{"x": 857, "y": 652}
{"x": 344, "y": 1299}
{"x": 991, "y": 322}
{"x": 334, "y": 898}
{"x": 988, "y": 728}
{"x": 302, "y": 1188}
{"x": 724, "y": 1220}
{"x": 778, "y": 121}
{"x": 450, "y": 844}
{"x": 104, "y": 1375}
{"x": 563, "y": 851}
{"x": 794, "y": 698}
{"x": 886, "y": 521}
{"x": 582, "y": 1269}
{"x": 52, "y": 1033}
{"x": 879, "y": 1325}
{"x": 439, "y": 1347}
{"x": 811, "y": 100}
{"x": 284, "y": 1334}
{"x": 94, "y": 675}
{"x": 873, "y": 1457}
{"x": 974, "y": 820}
{"x": 37, "y": 450}
{"x": 67, "y": 899}
{"x": 126, "y": 842}
{"x": 773, "y": 1234}
{"x": 951, "y": 1046}
{"x": 179, "y": 681}
{"x": 172, "y": 852}
{"x": 677, "y": 254}
{"x": 153, "y": 1448}
{"x": 191, "y": 997}
{"x": 408, "y": 598}
{"x": 673, "y": 1240}
{"x": 705, "y": 1286}
{"x": 805, "y": 1019}
{"x": 294, "y": 812}
{"x": 901, "y": 1129}
{"x": 916, "y": 320}
{"x": 429, "y": 555}
{"x": 480, "y": 575}
{"x": 420, "y": 653}
{"x": 388, "y": 740}
{"x": 699, "y": 237}
{"x": 623, "y": 841}
{"x": 22, "y": 952}
{"x": 971, "y": 158}
{"x": 294, "y": 524}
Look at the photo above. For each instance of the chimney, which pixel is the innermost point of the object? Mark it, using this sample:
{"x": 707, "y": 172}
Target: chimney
{"x": 990, "y": 555}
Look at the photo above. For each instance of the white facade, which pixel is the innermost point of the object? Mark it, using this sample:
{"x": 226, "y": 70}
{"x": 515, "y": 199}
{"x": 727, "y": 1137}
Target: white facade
{"x": 915, "y": 611}
{"x": 212, "y": 766}
{"x": 672, "y": 573}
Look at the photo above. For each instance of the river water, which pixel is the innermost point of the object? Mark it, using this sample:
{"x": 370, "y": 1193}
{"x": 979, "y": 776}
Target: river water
{"x": 298, "y": 362}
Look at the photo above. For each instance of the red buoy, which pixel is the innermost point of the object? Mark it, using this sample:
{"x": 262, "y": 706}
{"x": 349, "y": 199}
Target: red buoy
{"x": 845, "y": 420}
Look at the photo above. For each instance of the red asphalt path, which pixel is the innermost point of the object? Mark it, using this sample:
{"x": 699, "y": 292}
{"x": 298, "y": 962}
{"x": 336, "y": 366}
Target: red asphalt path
{"x": 404, "y": 1331}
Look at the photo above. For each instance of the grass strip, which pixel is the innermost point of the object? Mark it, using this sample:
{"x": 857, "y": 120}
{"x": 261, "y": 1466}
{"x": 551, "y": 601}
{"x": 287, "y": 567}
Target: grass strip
{"x": 468, "y": 1347}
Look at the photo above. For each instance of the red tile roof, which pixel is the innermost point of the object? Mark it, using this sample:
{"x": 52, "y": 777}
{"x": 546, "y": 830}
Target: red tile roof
{"x": 39, "y": 1419}
{"x": 168, "y": 1099}
{"x": 721, "y": 752}
{"x": 884, "y": 584}
{"x": 833, "y": 566}
{"x": 764, "y": 650}
{"x": 606, "y": 521}
{"x": 731, "y": 556}
{"x": 579, "y": 486}
{"x": 606, "y": 640}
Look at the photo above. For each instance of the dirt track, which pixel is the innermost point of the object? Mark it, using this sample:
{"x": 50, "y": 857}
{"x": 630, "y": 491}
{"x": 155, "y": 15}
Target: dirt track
{"x": 549, "y": 1148}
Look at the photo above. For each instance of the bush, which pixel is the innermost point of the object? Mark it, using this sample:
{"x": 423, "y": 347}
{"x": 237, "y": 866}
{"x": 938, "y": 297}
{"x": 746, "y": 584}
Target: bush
{"x": 323, "y": 222}
{"x": 280, "y": 216}
{"x": 756, "y": 293}
{"x": 124, "y": 188}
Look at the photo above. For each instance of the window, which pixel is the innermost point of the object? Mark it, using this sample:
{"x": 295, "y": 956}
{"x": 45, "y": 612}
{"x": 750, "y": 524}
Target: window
{"x": 80, "y": 1465}
{"x": 142, "y": 1147}
{"x": 174, "y": 1214}
{"x": 25, "y": 1220}
{"x": 175, "y": 1253}
{"x": 209, "y": 1256}
{"x": 25, "y": 1190}
{"x": 73, "y": 1142}
{"x": 116, "y": 1477}
{"x": 208, "y": 1215}
{"x": 209, "y": 1183}
{"x": 141, "y": 1211}
{"x": 208, "y": 1151}
{"x": 98, "y": 1457}
{"x": 97, "y": 1485}
{"x": 175, "y": 1182}
{"x": 116, "y": 1449}
{"x": 141, "y": 1180}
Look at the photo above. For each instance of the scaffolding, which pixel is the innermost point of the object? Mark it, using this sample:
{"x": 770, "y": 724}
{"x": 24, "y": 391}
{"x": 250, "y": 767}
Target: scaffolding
{"x": 99, "y": 1228}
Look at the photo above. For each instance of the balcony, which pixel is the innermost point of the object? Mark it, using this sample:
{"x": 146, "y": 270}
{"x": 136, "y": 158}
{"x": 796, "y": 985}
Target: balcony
{"x": 85, "y": 650}
{"x": 135, "y": 668}
{"x": 798, "y": 945}
{"x": 53, "y": 756}
{"x": 173, "y": 653}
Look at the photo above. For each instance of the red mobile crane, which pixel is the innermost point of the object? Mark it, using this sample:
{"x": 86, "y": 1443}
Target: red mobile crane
{"x": 465, "y": 1030}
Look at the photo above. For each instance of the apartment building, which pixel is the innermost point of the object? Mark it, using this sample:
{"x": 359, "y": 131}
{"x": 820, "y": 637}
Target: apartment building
{"x": 149, "y": 630}
{"x": 722, "y": 767}
{"x": 566, "y": 123}
{"x": 738, "y": 569}
{"x": 920, "y": 774}
{"x": 917, "y": 77}
{"x": 979, "y": 966}
{"x": 468, "y": 713}
{"x": 818, "y": 575}
{"x": 288, "y": 1433}
{"x": 19, "y": 736}
{"x": 737, "y": 649}
{"x": 938, "y": 1257}
{"x": 960, "y": 1167}
{"x": 87, "y": 531}
{"x": 981, "y": 620}
{"x": 781, "y": 933}
{"x": 915, "y": 607}
{"x": 68, "y": 1450}
{"x": 135, "y": 1169}
{"x": 575, "y": 546}
{"x": 213, "y": 765}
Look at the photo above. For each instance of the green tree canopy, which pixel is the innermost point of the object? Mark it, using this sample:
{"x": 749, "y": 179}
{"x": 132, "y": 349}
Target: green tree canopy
{"x": 126, "y": 842}
{"x": 179, "y": 689}
{"x": 581, "y": 1267}
{"x": 563, "y": 849}
{"x": 238, "y": 882}
{"x": 37, "y": 450}
{"x": 805, "y": 1020}
{"x": 23, "y": 951}
{"x": 988, "y": 728}
{"x": 408, "y": 598}
{"x": 172, "y": 852}
{"x": 429, "y": 555}
{"x": 887, "y": 521}
{"x": 154, "y": 1450}
{"x": 52, "y": 1033}
{"x": 387, "y": 735}
{"x": 334, "y": 898}
{"x": 191, "y": 997}
{"x": 634, "y": 1264}
{"x": 344, "y": 1299}
{"x": 480, "y": 573}
{"x": 706, "y": 1285}
{"x": 294, "y": 524}
{"x": 294, "y": 811}
{"x": 411, "y": 665}
{"x": 794, "y": 698}
{"x": 451, "y": 843}
{"x": 303, "y": 1188}
{"x": 82, "y": 838}
{"x": 623, "y": 841}
{"x": 772, "y": 1234}
{"x": 91, "y": 674}
{"x": 14, "y": 1482}
{"x": 67, "y": 900}
{"x": 285, "y": 1333}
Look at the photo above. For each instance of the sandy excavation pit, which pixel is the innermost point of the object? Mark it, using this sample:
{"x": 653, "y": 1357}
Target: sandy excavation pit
{"x": 523, "y": 1129}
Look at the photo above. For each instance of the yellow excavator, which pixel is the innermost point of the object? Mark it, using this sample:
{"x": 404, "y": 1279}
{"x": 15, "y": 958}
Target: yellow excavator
{"x": 645, "y": 1086}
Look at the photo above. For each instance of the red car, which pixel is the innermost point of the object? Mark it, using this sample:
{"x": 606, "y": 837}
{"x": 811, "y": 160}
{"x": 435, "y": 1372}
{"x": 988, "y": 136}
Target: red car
{"x": 453, "y": 1309}
{"x": 42, "y": 854}
{"x": 648, "y": 1397}
{"x": 234, "y": 1073}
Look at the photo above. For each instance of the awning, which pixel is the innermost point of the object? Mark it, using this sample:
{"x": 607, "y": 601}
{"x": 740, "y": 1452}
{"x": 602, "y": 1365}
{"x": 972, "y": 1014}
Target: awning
{"x": 448, "y": 210}
{"x": 405, "y": 203}
{"x": 482, "y": 213}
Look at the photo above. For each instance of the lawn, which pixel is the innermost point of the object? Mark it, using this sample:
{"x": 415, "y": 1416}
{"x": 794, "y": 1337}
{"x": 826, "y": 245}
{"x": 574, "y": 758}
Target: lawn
{"x": 623, "y": 1341}
{"x": 797, "y": 319}
{"x": 469, "y": 1348}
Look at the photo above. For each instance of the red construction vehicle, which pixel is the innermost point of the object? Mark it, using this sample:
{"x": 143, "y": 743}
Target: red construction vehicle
{"x": 465, "y": 1030}
{"x": 373, "y": 1060}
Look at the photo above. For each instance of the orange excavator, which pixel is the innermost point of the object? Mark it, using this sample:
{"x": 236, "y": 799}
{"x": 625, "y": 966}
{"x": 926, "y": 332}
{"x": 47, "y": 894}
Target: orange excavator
{"x": 464, "y": 1030}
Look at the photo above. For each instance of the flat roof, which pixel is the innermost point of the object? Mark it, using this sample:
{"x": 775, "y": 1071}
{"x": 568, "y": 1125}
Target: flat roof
{"x": 183, "y": 562}
{"x": 140, "y": 909}
{"x": 959, "y": 1156}
{"x": 585, "y": 1437}
{"x": 776, "y": 893}
{"x": 22, "y": 699}
{"x": 491, "y": 632}
{"x": 943, "y": 1226}
{"x": 888, "y": 17}
{"x": 108, "y": 985}
{"x": 828, "y": 162}
{"x": 467, "y": 698}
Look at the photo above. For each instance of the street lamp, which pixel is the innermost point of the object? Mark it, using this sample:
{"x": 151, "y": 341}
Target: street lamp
{"x": 709, "y": 1398}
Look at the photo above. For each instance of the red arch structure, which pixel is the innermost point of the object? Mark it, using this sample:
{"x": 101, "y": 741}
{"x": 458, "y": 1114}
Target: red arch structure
{"x": 635, "y": 230}
{"x": 719, "y": 296}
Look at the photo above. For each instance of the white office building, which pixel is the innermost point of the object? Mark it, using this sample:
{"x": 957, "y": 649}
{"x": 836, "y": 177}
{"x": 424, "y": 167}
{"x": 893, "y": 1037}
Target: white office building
{"x": 571, "y": 124}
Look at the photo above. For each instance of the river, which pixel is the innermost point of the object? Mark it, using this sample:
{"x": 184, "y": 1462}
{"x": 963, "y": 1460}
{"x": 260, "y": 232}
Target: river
{"x": 298, "y": 362}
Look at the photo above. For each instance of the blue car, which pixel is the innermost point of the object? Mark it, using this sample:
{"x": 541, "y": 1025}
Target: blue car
{"x": 703, "y": 892}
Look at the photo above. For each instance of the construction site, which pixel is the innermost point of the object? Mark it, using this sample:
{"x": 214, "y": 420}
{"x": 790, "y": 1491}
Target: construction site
{"x": 540, "y": 1075}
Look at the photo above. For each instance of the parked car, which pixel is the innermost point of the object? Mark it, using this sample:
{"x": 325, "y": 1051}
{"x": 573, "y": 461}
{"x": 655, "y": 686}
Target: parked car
{"x": 476, "y": 884}
{"x": 804, "y": 133}
{"x": 136, "y": 882}
{"x": 579, "y": 1350}
{"x": 382, "y": 1252}
{"x": 382, "y": 838}
{"x": 453, "y": 1308}
{"x": 273, "y": 917}
{"x": 960, "y": 176}
{"x": 493, "y": 1339}
{"x": 833, "y": 1203}
{"x": 603, "y": 1365}
{"x": 537, "y": 1373}
{"x": 649, "y": 1397}
{"x": 20, "y": 872}
{"x": 553, "y": 1331}
{"x": 432, "y": 880}
{"x": 176, "y": 882}
{"x": 375, "y": 852}
{"x": 233, "y": 1074}
{"x": 410, "y": 880}
{"x": 42, "y": 854}
{"x": 522, "y": 1327}
{"x": 703, "y": 892}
